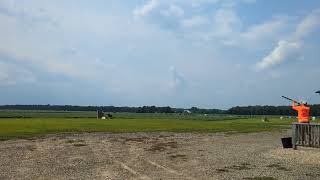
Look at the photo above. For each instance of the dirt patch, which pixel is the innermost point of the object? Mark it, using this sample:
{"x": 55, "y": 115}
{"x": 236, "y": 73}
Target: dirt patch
{"x": 125, "y": 140}
{"x": 75, "y": 142}
{"x": 164, "y": 136}
{"x": 313, "y": 175}
{"x": 261, "y": 178}
{"x": 162, "y": 146}
{"x": 222, "y": 170}
{"x": 138, "y": 139}
{"x": 79, "y": 145}
{"x": 239, "y": 167}
{"x": 278, "y": 166}
{"x": 178, "y": 156}
{"x": 71, "y": 141}
{"x": 31, "y": 147}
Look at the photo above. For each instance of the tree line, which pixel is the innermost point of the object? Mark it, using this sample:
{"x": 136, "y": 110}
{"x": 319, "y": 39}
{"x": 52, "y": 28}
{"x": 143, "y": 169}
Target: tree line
{"x": 243, "y": 110}
{"x": 270, "y": 110}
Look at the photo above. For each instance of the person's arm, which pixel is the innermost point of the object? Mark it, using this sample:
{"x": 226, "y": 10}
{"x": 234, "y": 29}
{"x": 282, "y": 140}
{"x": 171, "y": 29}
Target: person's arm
{"x": 294, "y": 105}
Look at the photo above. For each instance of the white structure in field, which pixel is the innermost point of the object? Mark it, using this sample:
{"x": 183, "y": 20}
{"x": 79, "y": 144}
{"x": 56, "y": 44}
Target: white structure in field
{"x": 187, "y": 112}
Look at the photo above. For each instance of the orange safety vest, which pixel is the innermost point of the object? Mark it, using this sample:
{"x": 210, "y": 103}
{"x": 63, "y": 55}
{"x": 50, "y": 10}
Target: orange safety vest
{"x": 303, "y": 113}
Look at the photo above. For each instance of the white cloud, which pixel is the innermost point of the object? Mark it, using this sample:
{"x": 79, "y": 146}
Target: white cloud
{"x": 226, "y": 21}
{"x": 177, "y": 7}
{"x": 227, "y": 28}
{"x": 84, "y": 46}
{"x": 146, "y": 8}
{"x": 225, "y": 25}
{"x": 11, "y": 74}
{"x": 289, "y": 49}
{"x": 29, "y": 10}
{"x": 197, "y": 3}
{"x": 307, "y": 25}
{"x": 223, "y": 29}
{"x": 194, "y": 21}
{"x": 173, "y": 10}
{"x": 23, "y": 47}
{"x": 234, "y": 3}
{"x": 27, "y": 42}
{"x": 283, "y": 52}
{"x": 266, "y": 31}
{"x": 178, "y": 81}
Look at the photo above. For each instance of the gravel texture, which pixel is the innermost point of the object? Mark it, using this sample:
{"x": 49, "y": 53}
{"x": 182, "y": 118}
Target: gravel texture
{"x": 157, "y": 156}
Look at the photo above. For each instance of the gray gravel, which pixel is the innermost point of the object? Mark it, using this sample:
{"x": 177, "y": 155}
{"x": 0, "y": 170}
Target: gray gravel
{"x": 157, "y": 156}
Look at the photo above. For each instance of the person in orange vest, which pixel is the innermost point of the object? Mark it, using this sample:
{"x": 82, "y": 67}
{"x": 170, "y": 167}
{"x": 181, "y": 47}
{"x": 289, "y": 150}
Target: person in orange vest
{"x": 303, "y": 112}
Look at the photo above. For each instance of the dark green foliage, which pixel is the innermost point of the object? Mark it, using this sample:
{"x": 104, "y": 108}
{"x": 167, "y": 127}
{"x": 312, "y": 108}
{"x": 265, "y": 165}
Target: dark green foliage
{"x": 270, "y": 110}
{"x": 154, "y": 109}
{"x": 244, "y": 110}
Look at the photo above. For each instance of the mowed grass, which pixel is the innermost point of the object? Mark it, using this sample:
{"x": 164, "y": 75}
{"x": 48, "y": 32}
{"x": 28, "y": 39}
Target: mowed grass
{"x": 28, "y": 127}
{"x": 46, "y": 114}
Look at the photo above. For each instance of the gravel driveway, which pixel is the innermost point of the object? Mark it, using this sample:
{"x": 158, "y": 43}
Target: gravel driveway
{"x": 157, "y": 156}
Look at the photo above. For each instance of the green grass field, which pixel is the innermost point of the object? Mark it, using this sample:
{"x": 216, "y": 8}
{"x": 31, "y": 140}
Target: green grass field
{"x": 32, "y": 123}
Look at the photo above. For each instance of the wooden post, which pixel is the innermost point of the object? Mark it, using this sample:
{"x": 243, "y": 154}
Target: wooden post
{"x": 294, "y": 135}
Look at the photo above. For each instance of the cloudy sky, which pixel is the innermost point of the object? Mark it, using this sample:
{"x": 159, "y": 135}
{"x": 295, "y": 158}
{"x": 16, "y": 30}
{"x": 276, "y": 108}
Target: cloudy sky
{"x": 182, "y": 53}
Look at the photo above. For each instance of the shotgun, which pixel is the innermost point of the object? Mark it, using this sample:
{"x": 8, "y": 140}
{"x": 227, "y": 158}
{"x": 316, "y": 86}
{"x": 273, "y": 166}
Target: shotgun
{"x": 291, "y": 100}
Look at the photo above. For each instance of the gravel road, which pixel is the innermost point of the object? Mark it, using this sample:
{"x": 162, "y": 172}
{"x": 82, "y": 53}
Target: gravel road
{"x": 157, "y": 156}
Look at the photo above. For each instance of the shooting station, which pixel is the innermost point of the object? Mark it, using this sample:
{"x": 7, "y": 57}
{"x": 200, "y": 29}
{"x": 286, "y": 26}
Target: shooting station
{"x": 100, "y": 114}
{"x": 304, "y": 133}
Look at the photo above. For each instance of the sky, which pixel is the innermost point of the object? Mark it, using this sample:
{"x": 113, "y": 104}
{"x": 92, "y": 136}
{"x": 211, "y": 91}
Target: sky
{"x": 180, "y": 53}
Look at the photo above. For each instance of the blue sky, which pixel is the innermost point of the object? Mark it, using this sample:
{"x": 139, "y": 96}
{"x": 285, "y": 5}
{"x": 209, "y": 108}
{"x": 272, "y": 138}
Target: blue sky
{"x": 182, "y": 53}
